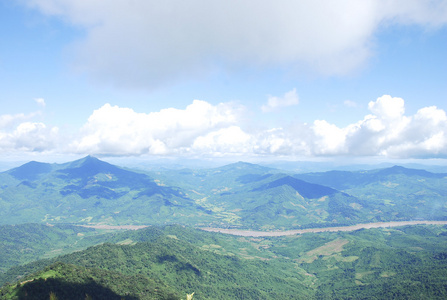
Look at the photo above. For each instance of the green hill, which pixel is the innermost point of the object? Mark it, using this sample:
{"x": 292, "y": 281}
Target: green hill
{"x": 396, "y": 193}
{"x": 402, "y": 263}
{"x": 185, "y": 266}
{"x": 24, "y": 243}
{"x": 70, "y": 282}
{"x": 90, "y": 190}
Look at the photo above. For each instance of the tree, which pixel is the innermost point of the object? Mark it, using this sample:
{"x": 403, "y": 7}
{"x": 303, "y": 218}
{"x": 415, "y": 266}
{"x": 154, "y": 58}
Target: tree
{"x": 53, "y": 296}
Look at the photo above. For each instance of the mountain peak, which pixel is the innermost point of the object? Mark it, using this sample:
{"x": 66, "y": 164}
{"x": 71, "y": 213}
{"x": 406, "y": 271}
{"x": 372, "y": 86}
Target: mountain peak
{"x": 89, "y": 158}
{"x": 85, "y": 161}
{"x": 406, "y": 171}
{"x": 244, "y": 166}
{"x": 89, "y": 166}
{"x": 30, "y": 170}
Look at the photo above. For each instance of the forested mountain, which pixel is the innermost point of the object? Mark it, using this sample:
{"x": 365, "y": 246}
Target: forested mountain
{"x": 90, "y": 191}
{"x": 170, "y": 262}
{"x": 55, "y": 256}
{"x": 343, "y": 180}
{"x": 396, "y": 192}
{"x": 23, "y": 243}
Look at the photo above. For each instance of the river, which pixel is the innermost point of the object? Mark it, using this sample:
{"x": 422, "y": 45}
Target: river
{"x": 254, "y": 233}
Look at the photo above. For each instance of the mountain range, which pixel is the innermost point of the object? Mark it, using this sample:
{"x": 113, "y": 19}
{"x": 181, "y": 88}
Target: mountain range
{"x": 57, "y": 256}
{"x": 239, "y": 195}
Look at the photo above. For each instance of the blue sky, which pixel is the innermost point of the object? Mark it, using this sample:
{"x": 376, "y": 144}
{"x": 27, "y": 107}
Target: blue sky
{"x": 279, "y": 80}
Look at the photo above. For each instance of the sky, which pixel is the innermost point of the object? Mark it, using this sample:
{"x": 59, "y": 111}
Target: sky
{"x": 244, "y": 80}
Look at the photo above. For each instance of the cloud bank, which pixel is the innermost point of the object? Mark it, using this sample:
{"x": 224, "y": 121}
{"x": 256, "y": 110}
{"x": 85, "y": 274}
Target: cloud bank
{"x": 147, "y": 43}
{"x": 203, "y": 129}
{"x": 122, "y": 131}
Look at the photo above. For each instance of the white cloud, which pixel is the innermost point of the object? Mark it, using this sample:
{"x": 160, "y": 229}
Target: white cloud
{"x": 7, "y": 120}
{"x": 289, "y": 99}
{"x": 387, "y": 107}
{"x": 116, "y": 130}
{"x": 230, "y": 140}
{"x": 35, "y": 136}
{"x": 203, "y": 129}
{"x": 19, "y": 132}
{"x": 146, "y": 43}
{"x": 387, "y": 132}
{"x": 29, "y": 136}
{"x": 12, "y": 120}
{"x": 328, "y": 138}
{"x": 40, "y": 101}
{"x": 424, "y": 136}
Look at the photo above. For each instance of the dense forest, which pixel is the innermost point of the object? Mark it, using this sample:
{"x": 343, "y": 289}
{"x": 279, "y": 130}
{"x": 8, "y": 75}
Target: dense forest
{"x": 170, "y": 262}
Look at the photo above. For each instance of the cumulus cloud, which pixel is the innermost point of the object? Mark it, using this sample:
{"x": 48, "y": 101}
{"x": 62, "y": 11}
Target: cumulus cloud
{"x": 19, "y": 132}
{"x": 117, "y": 130}
{"x": 289, "y": 99}
{"x": 387, "y": 132}
{"x": 328, "y": 138}
{"x": 387, "y": 107}
{"x": 230, "y": 140}
{"x": 147, "y": 43}
{"x": 29, "y": 137}
{"x": 203, "y": 129}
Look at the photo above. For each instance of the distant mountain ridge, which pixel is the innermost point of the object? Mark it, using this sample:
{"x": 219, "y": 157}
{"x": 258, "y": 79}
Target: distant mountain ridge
{"x": 239, "y": 195}
{"x": 410, "y": 172}
{"x": 344, "y": 179}
{"x": 30, "y": 170}
{"x": 88, "y": 190}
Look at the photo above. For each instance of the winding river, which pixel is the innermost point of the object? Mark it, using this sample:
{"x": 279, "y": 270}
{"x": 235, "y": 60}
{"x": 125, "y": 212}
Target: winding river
{"x": 254, "y": 233}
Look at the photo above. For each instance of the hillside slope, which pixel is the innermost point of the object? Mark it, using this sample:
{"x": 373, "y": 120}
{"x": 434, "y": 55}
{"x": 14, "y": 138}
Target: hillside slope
{"x": 403, "y": 263}
{"x": 90, "y": 190}
{"x": 396, "y": 193}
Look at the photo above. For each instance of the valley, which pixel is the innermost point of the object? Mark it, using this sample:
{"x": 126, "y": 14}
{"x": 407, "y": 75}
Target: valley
{"x": 240, "y": 231}
{"x": 223, "y": 150}
{"x": 326, "y": 229}
{"x": 253, "y": 233}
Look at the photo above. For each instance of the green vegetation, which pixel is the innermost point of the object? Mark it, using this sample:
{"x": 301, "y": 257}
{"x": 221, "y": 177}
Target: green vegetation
{"x": 24, "y": 243}
{"x": 241, "y": 195}
{"x": 404, "y": 263}
{"x": 395, "y": 193}
{"x": 90, "y": 191}
{"x": 69, "y": 282}
{"x": 53, "y": 258}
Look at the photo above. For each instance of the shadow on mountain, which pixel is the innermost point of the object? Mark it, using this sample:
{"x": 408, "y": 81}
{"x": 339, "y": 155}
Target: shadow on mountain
{"x": 42, "y": 288}
{"x": 31, "y": 170}
{"x": 249, "y": 178}
{"x": 306, "y": 189}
